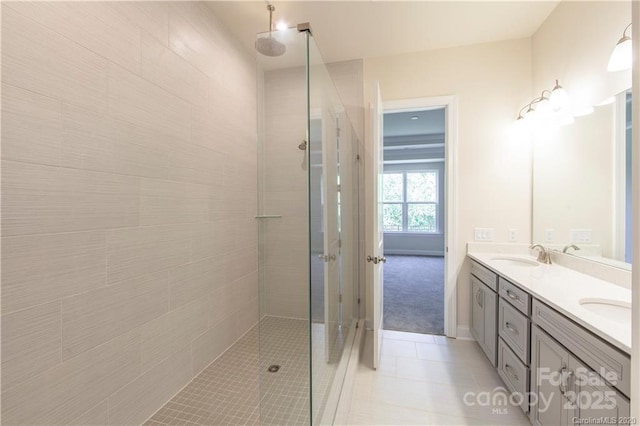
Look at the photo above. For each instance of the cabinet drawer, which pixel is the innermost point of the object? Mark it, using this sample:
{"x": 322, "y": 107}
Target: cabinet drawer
{"x": 517, "y": 297}
{"x": 594, "y": 352}
{"x": 485, "y": 275}
{"x": 513, "y": 327}
{"x": 514, "y": 373}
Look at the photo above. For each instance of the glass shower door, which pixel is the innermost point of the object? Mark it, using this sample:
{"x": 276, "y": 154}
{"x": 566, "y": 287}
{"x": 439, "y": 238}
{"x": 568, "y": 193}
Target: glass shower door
{"x": 306, "y": 241}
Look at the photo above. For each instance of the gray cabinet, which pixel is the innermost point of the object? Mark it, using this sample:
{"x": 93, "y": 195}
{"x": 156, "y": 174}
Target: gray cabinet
{"x": 563, "y": 372}
{"x": 565, "y": 390}
{"x": 484, "y": 318}
{"x": 549, "y": 368}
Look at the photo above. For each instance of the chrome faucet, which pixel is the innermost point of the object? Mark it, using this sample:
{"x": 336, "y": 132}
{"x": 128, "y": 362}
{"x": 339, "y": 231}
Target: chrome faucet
{"x": 573, "y": 246}
{"x": 543, "y": 255}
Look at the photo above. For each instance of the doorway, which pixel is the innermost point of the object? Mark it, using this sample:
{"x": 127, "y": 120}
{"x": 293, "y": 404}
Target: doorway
{"x": 413, "y": 220}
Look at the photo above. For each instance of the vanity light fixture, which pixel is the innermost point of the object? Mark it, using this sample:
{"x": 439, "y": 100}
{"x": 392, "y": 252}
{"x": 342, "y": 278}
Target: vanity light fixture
{"x": 622, "y": 55}
{"x": 551, "y": 107}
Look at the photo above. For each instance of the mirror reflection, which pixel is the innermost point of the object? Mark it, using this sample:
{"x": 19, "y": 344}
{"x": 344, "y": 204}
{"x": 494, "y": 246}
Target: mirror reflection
{"x": 582, "y": 185}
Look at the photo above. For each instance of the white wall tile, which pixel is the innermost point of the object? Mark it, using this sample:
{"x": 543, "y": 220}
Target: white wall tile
{"x": 239, "y": 263}
{"x": 31, "y": 126}
{"x": 211, "y": 344}
{"x": 213, "y": 238}
{"x": 43, "y": 61}
{"x": 147, "y": 111}
{"x": 194, "y": 281}
{"x": 165, "y": 202}
{"x": 133, "y": 252}
{"x": 138, "y": 101}
{"x": 193, "y": 163}
{"x": 171, "y": 332}
{"x": 44, "y": 199}
{"x": 151, "y": 16}
{"x": 62, "y": 393}
{"x": 94, "y": 25}
{"x": 91, "y": 141}
{"x": 31, "y": 342}
{"x": 38, "y": 269}
{"x": 137, "y": 401}
{"x": 95, "y": 317}
{"x": 96, "y": 416}
{"x": 190, "y": 44}
{"x": 173, "y": 73}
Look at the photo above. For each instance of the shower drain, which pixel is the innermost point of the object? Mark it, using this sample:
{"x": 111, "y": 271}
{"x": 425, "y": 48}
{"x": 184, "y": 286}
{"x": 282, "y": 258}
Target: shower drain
{"x": 273, "y": 368}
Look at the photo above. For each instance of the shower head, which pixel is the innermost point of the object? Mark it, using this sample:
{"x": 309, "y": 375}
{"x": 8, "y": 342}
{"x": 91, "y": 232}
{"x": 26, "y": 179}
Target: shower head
{"x": 269, "y": 46}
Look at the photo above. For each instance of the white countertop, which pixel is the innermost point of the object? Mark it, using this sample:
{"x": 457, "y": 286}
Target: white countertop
{"x": 562, "y": 288}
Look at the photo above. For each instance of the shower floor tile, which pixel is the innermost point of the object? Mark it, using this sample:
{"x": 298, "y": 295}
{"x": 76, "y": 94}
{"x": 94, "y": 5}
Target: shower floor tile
{"x": 237, "y": 389}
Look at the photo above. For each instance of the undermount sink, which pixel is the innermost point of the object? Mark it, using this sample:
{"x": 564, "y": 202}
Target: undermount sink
{"x": 515, "y": 261}
{"x": 616, "y": 310}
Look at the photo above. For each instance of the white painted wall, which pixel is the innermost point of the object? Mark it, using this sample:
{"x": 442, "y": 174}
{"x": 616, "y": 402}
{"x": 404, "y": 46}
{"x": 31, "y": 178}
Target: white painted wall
{"x": 491, "y": 82}
{"x": 574, "y": 44}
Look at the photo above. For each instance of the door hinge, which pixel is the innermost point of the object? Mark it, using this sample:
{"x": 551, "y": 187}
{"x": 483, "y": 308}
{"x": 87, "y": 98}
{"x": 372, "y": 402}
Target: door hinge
{"x": 338, "y": 131}
{"x": 358, "y": 157}
{"x": 339, "y": 298}
{"x": 339, "y": 187}
{"x": 358, "y": 300}
{"x": 339, "y": 243}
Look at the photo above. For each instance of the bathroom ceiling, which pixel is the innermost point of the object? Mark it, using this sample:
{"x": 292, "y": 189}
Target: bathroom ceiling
{"x": 427, "y": 122}
{"x": 359, "y": 29}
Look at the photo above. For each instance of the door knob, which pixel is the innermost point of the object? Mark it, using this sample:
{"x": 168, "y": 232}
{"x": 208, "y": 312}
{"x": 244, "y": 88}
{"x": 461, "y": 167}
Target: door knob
{"x": 372, "y": 259}
{"x": 383, "y": 259}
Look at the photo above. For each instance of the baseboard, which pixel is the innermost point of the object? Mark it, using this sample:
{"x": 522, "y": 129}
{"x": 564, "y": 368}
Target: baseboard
{"x": 413, "y": 252}
{"x": 346, "y": 395}
{"x": 464, "y": 333}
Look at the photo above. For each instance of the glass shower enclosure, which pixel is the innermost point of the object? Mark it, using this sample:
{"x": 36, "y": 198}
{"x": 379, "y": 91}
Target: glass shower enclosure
{"x": 307, "y": 234}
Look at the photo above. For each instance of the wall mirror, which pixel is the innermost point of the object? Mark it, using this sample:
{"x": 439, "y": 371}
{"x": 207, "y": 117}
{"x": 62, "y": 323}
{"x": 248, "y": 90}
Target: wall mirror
{"x": 582, "y": 171}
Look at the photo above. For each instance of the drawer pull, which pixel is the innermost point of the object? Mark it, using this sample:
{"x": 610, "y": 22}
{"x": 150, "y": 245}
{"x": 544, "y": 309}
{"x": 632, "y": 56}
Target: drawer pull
{"x": 512, "y": 296}
{"x": 510, "y": 372}
{"x": 511, "y": 328}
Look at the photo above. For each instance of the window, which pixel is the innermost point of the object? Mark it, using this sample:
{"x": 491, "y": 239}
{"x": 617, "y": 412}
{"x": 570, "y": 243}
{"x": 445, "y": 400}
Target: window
{"x": 410, "y": 201}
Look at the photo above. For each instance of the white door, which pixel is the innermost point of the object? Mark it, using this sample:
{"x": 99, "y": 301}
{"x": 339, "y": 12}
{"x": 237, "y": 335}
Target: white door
{"x": 375, "y": 256}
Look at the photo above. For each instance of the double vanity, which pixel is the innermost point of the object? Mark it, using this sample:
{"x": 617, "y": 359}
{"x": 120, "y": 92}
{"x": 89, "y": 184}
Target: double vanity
{"x": 559, "y": 339}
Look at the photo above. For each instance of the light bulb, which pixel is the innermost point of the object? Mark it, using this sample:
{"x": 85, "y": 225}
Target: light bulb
{"x": 544, "y": 107}
{"x": 559, "y": 98}
{"x": 621, "y": 57}
{"x": 281, "y": 26}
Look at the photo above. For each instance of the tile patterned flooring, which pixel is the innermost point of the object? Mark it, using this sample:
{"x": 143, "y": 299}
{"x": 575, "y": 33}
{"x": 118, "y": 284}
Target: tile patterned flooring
{"x": 236, "y": 389}
{"x": 423, "y": 379}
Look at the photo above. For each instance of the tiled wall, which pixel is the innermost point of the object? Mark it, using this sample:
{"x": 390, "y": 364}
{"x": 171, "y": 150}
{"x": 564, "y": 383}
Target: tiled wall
{"x": 129, "y": 247}
{"x": 284, "y": 180}
{"x": 284, "y": 192}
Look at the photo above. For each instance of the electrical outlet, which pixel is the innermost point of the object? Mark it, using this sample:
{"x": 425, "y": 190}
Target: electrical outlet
{"x": 548, "y": 235}
{"x": 580, "y": 235}
{"x": 483, "y": 234}
{"x": 513, "y": 235}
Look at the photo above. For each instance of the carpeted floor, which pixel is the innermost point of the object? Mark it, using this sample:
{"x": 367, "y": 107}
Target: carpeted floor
{"x": 414, "y": 294}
